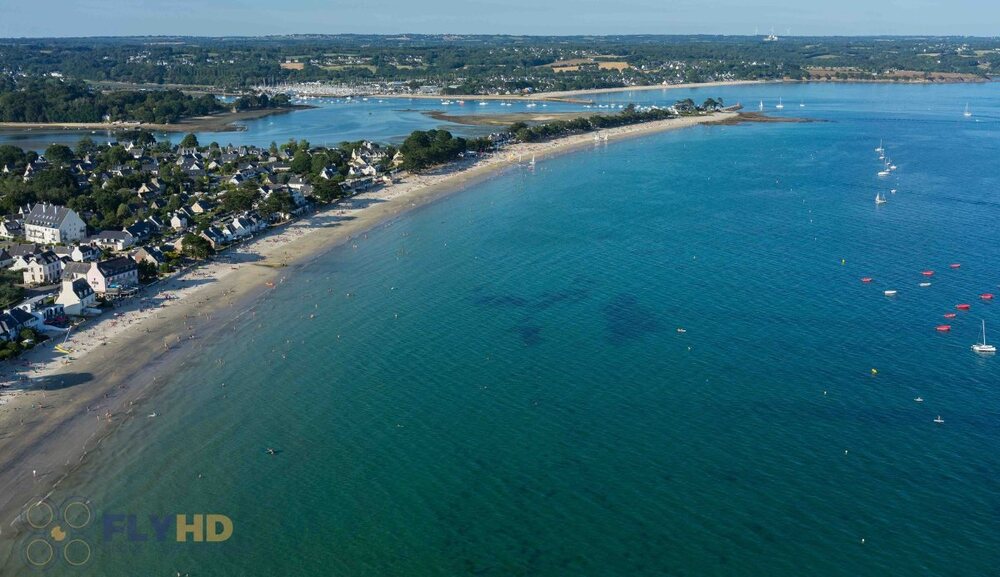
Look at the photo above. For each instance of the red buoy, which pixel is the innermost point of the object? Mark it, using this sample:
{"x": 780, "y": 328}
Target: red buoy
{"x": 950, "y": 315}
{"x": 928, "y": 273}
{"x": 943, "y": 328}
{"x": 962, "y": 307}
{"x": 955, "y": 265}
{"x": 986, "y": 296}
{"x": 866, "y": 279}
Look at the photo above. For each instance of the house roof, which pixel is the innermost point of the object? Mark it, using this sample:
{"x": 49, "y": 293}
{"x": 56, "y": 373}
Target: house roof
{"x": 71, "y": 269}
{"x": 112, "y": 235}
{"x": 21, "y": 316}
{"x": 141, "y": 229}
{"x": 116, "y": 266}
{"x": 47, "y": 257}
{"x": 8, "y": 324}
{"x": 81, "y": 288}
{"x": 47, "y": 215}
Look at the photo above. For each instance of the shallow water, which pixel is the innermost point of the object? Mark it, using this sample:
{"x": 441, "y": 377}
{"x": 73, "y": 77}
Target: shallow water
{"x": 494, "y": 384}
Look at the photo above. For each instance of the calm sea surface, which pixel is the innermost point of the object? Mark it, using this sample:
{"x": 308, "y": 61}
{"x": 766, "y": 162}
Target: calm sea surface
{"x": 495, "y": 384}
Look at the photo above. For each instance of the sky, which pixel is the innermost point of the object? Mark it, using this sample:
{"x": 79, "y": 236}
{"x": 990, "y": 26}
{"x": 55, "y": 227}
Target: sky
{"x": 20, "y": 18}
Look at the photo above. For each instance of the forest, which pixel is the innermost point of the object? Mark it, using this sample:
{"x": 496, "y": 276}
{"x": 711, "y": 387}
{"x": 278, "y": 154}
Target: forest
{"x": 477, "y": 64}
{"x": 56, "y": 100}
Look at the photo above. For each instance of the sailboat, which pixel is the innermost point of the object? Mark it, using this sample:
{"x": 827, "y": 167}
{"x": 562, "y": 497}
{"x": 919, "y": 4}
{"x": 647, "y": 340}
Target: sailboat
{"x": 880, "y": 198}
{"x": 967, "y": 112}
{"x": 880, "y": 148}
{"x": 532, "y": 163}
{"x": 779, "y": 105}
{"x": 760, "y": 107}
{"x": 982, "y": 347}
{"x": 61, "y": 347}
{"x": 884, "y": 171}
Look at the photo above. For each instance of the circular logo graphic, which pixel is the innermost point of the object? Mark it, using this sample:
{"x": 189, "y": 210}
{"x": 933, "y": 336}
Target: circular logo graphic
{"x": 56, "y": 533}
{"x": 39, "y": 552}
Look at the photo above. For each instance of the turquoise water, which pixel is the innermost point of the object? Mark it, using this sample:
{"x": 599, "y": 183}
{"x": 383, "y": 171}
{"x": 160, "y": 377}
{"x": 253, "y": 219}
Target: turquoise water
{"x": 505, "y": 391}
{"x": 329, "y": 123}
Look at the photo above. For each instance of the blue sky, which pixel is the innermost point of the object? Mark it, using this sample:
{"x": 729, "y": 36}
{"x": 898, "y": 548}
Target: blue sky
{"x": 260, "y": 17}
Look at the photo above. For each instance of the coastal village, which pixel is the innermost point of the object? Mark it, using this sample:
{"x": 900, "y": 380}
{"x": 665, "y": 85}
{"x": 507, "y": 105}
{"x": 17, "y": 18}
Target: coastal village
{"x": 179, "y": 204}
{"x": 184, "y": 203}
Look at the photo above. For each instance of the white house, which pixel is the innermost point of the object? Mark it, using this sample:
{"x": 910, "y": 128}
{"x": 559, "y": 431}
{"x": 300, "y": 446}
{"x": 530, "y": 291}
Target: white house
{"x": 113, "y": 239}
{"x": 43, "y": 268}
{"x": 49, "y": 223}
{"x": 75, "y": 296}
{"x": 113, "y": 275}
{"x": 179, "y": 221}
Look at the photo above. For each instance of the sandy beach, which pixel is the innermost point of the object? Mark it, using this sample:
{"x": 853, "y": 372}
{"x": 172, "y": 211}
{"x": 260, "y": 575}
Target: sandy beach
{"x": 55, "y": 408}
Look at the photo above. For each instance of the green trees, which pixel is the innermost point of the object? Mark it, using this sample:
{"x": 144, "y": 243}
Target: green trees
{"x": 301, "y": 162}
{"x": 189, "y": 141}
{"x": 326, "y": 190}
{"x": 59, "y": 154}
{"x": 11, "y": 156}
{"x": 261, "y": 100}
{"x": 427, "y": 148}
{"x": 55, "y": 100}
{"x": 147, "y": 270}
{"x": 10, "y": 293}
{"x": 278, "y": 202}
{"x": 197, "y": 247}
{"x": 243, "y": 198}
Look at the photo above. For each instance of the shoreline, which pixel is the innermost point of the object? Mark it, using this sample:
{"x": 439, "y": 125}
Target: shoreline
{"x": 570, "y": 96}
{"x": 148, "y": 333}
{"x": 221, "y": 122}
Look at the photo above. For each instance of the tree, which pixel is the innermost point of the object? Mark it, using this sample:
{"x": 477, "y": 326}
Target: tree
{"x": 85, "y": 146}
{"x": 327, "y": 190}
{"x": 59, "y": 154}
{"x": 278, "y": 202}
{"x": 11, "y": 155}
{"x": 301, "y": 163}
{"x": 189, "y": 141}
{"x": 243, "y": 198}
{"x": 147, "y": 270}
{"x": 196, "y": 246}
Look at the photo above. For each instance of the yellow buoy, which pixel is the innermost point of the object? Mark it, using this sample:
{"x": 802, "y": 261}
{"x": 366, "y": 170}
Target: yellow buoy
{"x": 874, "y": 371}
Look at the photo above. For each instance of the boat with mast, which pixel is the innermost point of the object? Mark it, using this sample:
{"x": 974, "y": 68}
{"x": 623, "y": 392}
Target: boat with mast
{"x": 779, "y": 105}
{"x": 967, "y": 112}
{"x": 880, "y": 198}
{"x": 983, "y": 347}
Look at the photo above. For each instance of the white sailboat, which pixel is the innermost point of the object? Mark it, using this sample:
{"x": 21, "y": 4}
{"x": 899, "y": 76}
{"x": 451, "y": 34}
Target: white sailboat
{"x": 967, "y": 112}
{"x": 779, "y": 105}
{"x": 880, "y": 198}
{"x": 884, "y": 171}
{"x": 532, "y": 163}
{"x": 880, "y": 148}
{"x": 982, "y": 347}
{"x": 760, "y": 107}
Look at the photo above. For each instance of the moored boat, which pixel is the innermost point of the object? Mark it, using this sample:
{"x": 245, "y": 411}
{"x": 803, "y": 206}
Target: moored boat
{"x": 983, "y": 347}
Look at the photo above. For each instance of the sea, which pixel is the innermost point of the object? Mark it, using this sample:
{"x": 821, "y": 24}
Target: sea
{"x": 647, "y": 357}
